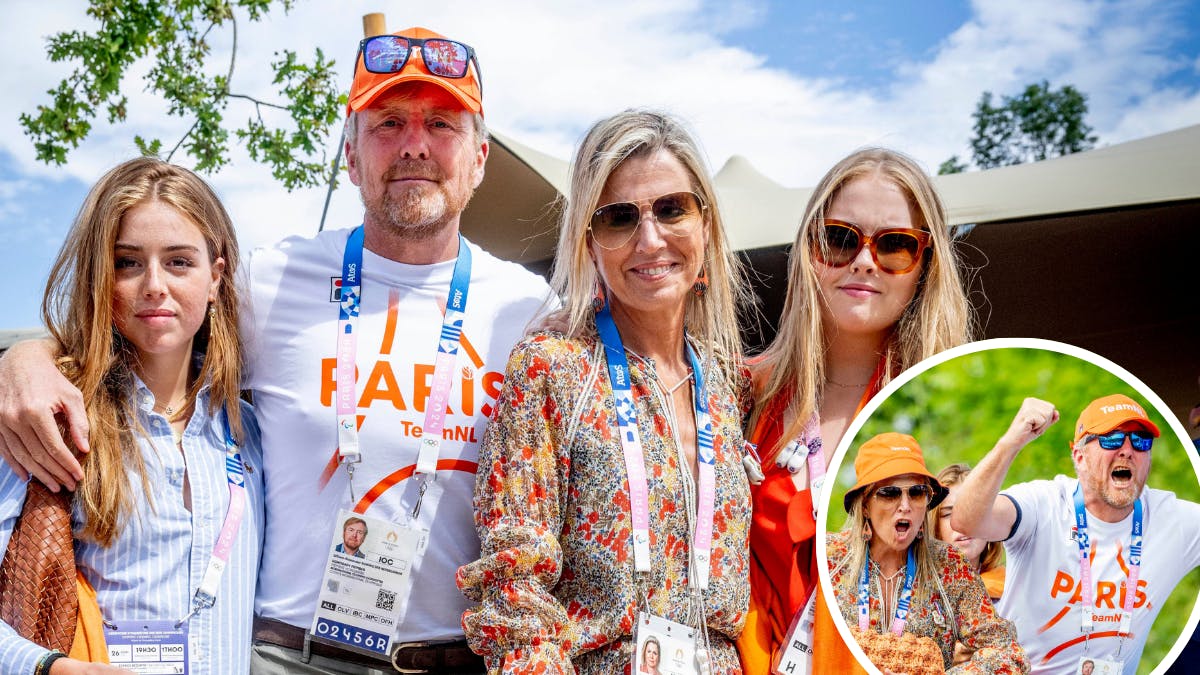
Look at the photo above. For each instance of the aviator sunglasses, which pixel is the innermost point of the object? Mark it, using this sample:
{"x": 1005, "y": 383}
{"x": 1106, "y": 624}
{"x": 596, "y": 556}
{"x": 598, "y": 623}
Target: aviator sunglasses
{"x": 895, "y": 250}
{"x": 613, "y": 225}
{"x": 917, "y": 494}
{"x": 444, "y": 58}
{"x": 1113, "y": 440}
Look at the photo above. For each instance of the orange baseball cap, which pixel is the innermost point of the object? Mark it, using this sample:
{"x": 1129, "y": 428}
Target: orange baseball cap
{"x": 368, "y": 86}
{"x": 1105, "y": 414}
{"x": 886, "y": 456}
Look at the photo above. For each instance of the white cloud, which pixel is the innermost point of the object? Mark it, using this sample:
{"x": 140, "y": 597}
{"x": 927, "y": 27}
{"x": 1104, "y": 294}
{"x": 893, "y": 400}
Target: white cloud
{"x": 552, "y": 68}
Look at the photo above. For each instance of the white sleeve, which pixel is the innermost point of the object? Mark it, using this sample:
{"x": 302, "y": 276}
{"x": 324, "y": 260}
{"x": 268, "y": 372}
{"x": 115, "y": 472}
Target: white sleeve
{"x": 1030, "y": 499}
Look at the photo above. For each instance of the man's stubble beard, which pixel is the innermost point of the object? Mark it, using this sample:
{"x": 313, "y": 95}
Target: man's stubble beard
{"x": 1113, "y": 497}
{"x": 417, "y": 214}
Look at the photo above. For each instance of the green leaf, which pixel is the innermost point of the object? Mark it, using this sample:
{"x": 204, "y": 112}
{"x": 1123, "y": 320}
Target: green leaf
{"x": 176, "y": 39}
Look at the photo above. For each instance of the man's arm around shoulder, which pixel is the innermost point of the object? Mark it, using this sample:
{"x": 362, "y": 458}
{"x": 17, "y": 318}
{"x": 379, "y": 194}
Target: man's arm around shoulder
{"x": 34, "y": 396}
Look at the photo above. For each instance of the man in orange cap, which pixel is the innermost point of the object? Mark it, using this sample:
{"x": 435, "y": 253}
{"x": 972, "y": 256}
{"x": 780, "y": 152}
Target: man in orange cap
{"x": 1091, "y": 558}
{"x": 398, "y": 444}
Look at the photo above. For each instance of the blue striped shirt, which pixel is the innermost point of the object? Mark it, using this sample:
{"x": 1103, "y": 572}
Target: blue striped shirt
{"x": 153, "y": 568}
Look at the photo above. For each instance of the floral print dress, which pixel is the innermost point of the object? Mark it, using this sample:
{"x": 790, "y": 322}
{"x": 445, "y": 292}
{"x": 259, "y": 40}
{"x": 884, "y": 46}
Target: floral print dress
{"x": 958, "y": 608}
{"x": 556, "y": 573}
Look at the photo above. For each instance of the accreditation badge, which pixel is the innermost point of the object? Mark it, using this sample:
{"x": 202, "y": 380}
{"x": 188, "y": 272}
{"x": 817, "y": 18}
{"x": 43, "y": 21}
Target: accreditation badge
{"x": 1093, "y": 666}
{"x": 795, "y": 658}
{"x": 664, "y": 647}
{"x": 149, "y": 647}
{"x": 367, "y": 582}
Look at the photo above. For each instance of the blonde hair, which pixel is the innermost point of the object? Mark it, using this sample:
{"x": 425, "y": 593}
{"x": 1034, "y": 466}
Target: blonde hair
{"x": 939, "y": 316}
{"x": 710, "y": 318}
{"x": 993, "y": 553}
{"x": 77, "y": 310}
{"x": 858, "y": 546}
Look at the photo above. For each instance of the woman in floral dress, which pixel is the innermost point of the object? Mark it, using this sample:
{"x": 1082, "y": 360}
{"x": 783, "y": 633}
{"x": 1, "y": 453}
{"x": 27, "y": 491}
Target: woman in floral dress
{"x": 611, "y": 498}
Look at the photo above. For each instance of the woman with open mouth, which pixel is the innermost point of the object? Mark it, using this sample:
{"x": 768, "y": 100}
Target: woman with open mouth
{"x": 908, "y": 598}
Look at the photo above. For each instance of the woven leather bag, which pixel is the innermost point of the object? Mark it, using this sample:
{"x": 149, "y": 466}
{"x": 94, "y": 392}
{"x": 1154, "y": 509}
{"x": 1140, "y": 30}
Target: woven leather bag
{"x": 38, "y": 595}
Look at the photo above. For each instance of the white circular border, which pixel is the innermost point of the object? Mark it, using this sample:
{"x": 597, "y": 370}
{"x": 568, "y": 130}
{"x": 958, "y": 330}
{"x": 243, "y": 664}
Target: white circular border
{"x": 859, "y": 420}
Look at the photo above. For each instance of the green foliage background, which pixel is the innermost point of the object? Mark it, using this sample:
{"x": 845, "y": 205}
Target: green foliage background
{"x": 958, "y": 409}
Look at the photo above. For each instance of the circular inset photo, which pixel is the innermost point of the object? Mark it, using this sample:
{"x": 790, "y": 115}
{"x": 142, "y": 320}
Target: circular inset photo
{"x": 1018, "y": 505}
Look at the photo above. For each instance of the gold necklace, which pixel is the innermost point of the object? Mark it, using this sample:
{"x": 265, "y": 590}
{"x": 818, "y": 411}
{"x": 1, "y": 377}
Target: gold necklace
{"x": 847, "y": 386}
{"x": 170, "y": 410}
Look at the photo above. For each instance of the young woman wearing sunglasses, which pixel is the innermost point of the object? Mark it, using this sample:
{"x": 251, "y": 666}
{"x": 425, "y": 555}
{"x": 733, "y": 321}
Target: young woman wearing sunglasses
{"x": 874, "y": 286}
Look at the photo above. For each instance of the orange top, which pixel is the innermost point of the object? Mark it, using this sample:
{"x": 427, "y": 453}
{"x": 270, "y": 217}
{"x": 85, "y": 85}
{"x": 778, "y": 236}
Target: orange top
{"x": 783, "y": 560}
{"x": 993, "y": 580}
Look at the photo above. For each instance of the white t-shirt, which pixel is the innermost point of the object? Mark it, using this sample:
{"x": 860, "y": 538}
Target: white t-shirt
{"x": 1042, "y": 591}
{"x": 290, "y": 329}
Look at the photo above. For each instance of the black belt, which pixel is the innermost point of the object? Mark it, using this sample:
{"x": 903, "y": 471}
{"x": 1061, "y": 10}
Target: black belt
{"x": 408, "y": 657}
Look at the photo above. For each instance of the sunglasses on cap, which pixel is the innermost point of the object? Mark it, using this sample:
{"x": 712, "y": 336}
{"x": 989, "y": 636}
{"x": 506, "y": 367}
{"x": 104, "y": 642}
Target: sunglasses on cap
{"x": 917, "y": 494}
{"x": 442, "y": 57}
{"x": 613, "y": 225}
{"x": 896, "y": 250}
{"x": 1113, "y": 440}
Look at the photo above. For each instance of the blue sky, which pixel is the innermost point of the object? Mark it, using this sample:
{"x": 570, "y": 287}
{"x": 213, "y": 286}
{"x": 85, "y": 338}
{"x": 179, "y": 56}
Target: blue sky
{"x": 791, "y": 86}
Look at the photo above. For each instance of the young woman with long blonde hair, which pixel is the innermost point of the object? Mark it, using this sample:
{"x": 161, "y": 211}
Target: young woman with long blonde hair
{"x": 874, "y": 286}
{"x": 167, "y": 522}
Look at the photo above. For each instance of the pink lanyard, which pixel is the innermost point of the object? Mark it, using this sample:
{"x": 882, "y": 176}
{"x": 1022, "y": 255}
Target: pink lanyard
{"x": 635, "y": 462}
{"x": 206, "y": 592}
{"x": 349, "y": 452}
{"x": 1087, "y": 589}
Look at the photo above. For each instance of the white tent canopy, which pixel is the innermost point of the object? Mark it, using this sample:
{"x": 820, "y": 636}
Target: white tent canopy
{"x": 1066, "y": 244}
{"x": 762, "y": 213}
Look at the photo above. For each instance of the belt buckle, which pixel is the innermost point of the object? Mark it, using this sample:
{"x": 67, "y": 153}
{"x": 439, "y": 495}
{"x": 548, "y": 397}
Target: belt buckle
{"x": 409, "y": 645}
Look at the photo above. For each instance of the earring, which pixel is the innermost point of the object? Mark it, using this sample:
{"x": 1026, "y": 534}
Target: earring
{"x": 212, "y": 311}
{"x": 701, "y": 284}
{"x": 598, "y": 299}
{"x": 867, "y": 533}
{"x": 921, "y": 532}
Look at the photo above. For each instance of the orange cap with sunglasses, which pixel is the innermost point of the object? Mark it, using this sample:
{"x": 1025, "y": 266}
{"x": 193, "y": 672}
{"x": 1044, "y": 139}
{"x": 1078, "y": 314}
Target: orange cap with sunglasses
{"x": 383, "y": 52}
{"x": 886, "y": 456}
{"x": 1109, "y": 412}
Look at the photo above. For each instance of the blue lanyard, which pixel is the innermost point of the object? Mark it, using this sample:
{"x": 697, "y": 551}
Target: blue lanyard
{"x": 349, "y": 451}
{"x": 635, "y": 466}
{"x": 864, "y": 595}
{"x": 1087, "y": 590}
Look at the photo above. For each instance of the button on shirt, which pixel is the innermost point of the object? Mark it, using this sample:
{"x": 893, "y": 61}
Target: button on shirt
{"x": 153, "y": 568}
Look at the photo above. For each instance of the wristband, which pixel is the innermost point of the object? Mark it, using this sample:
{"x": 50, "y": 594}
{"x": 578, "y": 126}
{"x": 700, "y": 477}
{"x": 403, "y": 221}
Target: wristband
{"x": 47, "y": 660}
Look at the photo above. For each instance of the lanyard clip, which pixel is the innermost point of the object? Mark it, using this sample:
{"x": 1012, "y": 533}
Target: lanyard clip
{"x": 201, "y": 601}
{"x": 350, "y": 473}
{"x": 423, "y": 485}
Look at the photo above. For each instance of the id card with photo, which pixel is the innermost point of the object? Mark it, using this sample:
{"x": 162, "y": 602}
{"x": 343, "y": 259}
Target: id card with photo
{"x": 795, "y": 658}
{"x": 367, "y": 582}
{"x": 1093, "y": 666}
{"x": 663, "y": 647}
{"x": 148, "y": 647}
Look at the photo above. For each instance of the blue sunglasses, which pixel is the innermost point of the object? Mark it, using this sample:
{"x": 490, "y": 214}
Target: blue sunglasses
{"x": 1113, "y": 440}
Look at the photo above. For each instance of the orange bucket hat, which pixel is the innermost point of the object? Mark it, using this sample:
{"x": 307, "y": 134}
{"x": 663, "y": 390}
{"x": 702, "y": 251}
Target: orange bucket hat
{"x": 368, "y": 86}
{"x": 886, "y": 456}
{"x": 1109, "y": 412}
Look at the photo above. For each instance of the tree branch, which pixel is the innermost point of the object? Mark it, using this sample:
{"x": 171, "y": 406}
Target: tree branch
{"x": 256, "y": 101}
{"x": 181, "y": 140}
